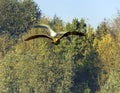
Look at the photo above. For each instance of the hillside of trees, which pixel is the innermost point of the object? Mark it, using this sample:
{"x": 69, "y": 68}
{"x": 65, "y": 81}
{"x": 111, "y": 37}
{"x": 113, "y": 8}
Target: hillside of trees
{"x": 88, "y": 64}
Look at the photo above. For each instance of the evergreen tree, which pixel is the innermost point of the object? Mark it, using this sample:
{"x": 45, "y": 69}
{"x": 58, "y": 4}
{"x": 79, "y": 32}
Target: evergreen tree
{"x": 103, "y": 29}
{"x": 16, "y": 17}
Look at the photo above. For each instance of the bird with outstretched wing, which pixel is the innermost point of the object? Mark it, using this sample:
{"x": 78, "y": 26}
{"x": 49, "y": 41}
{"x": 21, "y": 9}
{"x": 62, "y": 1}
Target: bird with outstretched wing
{"x": 55, "y": 40}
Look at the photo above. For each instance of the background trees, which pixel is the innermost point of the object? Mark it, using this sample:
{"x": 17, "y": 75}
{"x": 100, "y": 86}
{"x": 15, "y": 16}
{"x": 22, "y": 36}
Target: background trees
{"x": 85, "y": 65}
{"x": 16, "y": 17}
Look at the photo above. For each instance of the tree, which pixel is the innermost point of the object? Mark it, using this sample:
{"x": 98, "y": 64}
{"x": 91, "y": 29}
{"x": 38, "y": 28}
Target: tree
{"x": 103, "y": 29}
{"x": 5, "y": 44}
{"x": 56, "y": 23}
{"x": 108, "y": 59}
{"x": 16, "y": 17}
{"x": 36, "y": 67}
{"x": 112, "y": 84}
{"x": 78, "y": 47}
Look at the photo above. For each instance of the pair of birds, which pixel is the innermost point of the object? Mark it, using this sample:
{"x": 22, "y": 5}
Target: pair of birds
{"x": 55, "y": 37}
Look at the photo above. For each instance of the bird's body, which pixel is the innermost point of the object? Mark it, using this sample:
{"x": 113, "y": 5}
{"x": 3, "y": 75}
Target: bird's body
{"x": 55, "y": 37}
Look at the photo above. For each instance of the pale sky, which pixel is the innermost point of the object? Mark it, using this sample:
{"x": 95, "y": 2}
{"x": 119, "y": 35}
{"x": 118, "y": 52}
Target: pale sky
{"x": 94, "y": 11}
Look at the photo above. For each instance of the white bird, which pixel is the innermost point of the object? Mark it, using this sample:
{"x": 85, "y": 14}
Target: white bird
{"x": 55, "y": 37}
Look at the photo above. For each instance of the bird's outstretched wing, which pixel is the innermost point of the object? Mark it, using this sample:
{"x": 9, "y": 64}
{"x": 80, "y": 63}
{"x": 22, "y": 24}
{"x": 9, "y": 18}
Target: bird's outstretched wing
{"x": 37, "y": 36}
{"x": 42, "y": 26}
{"x": 50, "y": 30}
{"x": 72, "y": 33}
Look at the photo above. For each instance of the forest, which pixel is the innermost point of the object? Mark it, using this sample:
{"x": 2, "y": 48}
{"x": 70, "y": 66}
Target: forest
{"x": 88, "y": 64}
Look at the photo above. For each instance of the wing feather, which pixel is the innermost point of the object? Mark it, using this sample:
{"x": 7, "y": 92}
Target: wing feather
{"x": 72, "y": 33}
{"x": 42, "y": 26}
{"x": 37, "y": 36}
{"x": 50, "y": 30}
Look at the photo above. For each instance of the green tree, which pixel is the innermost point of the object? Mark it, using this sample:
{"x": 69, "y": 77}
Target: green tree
{"x": 16, "y": 17}
{"x": 107, "y": 53}
{"x": 103, "y": 29}
{"x": 112, "y": 85}
{"x": 56, "y": 23}
{"x": 36, "y": 67}
{"x": 77, "y": 47}
{"x": 5, "y": 44}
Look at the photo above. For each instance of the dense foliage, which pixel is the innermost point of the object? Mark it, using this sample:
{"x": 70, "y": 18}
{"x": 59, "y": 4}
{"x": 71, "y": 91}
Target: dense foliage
{"x": 88, "y": 64}
{"x": 16, "y": 16}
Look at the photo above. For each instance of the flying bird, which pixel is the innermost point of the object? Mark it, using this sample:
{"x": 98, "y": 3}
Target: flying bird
{"x": 54, "y": 36}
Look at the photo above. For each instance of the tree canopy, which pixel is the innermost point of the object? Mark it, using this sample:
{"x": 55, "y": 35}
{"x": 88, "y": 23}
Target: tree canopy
{"x": 87, "y": 64}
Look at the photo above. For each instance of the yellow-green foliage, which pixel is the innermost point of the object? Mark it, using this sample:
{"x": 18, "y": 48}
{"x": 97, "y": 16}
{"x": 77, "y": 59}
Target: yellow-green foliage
{"x": 107, "y": 52}
{"x": 76, "y": 66}
{"x": 112, "y": 84}
{"x": 35, "y": 66}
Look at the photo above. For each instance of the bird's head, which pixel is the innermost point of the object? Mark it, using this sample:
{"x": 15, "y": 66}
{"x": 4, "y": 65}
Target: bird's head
{"x": 56, "y": 41}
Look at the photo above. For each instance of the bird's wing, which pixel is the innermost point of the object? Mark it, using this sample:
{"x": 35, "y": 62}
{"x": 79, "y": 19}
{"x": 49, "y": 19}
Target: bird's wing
{"x": 73, "y": 33}
{"x": 42, "y": 26}
{"x": 46, "y": 27}
{"x": 61, "y": 32}
{"x": 37, "y": 36}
